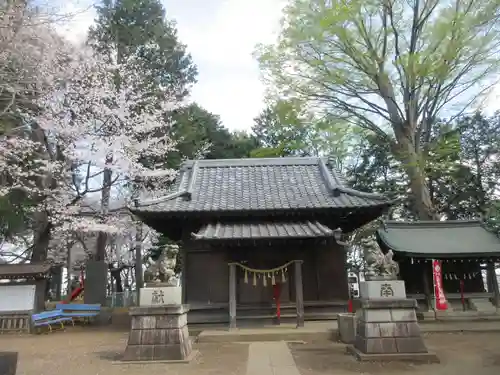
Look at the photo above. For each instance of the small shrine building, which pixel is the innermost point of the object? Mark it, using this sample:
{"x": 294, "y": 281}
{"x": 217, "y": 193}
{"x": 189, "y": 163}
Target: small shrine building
{"x": 258, "y": 231}
{"x": 468, "y": 252}
{"x": 22, "y": 292}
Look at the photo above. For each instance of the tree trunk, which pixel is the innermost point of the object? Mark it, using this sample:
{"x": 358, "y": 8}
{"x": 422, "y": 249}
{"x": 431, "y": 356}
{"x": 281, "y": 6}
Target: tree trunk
{"x": 138, "y": 257}
{"x": 69, "y": 269}
{"x": 423, "y": 206}
{"x": 105, "y": 195}
{"x": 116, "y": 275}
{"x": 41, "y": 239}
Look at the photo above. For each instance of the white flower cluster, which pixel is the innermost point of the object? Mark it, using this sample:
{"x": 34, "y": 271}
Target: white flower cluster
{"x": 88, "y": 117}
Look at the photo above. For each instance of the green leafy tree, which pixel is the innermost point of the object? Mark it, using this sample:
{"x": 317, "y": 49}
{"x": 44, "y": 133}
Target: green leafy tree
{"x": 196, "y": 131}
{"x": 392, "y": 67}
{"x": 288, "y": 128}
{"x": 473, "y": 188}
{"x": 282, "y": 130}
{"x": 462, "y": 168}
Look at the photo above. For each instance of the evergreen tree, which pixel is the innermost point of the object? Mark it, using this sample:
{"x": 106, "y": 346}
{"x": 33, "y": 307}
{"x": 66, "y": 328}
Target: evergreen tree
{"x": 139, "y": 27}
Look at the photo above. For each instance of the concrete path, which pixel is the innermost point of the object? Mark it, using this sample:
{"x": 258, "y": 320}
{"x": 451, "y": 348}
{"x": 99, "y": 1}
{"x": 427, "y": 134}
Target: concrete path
{"x": 270, "y": 358}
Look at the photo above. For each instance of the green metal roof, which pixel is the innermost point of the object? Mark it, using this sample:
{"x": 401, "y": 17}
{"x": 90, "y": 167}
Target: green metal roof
{"x": 439, "y": 239}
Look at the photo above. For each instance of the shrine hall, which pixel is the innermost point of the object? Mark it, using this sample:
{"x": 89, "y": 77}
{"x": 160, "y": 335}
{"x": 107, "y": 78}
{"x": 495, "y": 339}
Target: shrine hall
{"x": 260, "y": 232}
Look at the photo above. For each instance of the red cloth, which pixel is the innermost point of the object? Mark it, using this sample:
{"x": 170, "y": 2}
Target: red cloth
{"x": 349, "y": 306}
{"x": 276, "y": 297}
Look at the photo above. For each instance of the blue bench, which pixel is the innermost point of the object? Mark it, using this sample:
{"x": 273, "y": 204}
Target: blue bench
{"x": 79, "y": 311}
{"x": 50, "y": 318}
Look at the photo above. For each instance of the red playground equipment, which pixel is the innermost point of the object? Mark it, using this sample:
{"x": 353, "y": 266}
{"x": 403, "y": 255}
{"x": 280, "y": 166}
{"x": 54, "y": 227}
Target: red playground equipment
{"x": 77, "y": 290}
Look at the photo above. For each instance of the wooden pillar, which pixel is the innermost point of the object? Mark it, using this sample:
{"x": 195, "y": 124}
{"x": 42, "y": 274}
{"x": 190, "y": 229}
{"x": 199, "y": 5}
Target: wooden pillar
{"x": 299, "y": 293}
{"x": 427, "y": 287}
{"x": 40, "y": 287}
{"x": 318, "y": 278}
{"x": 139, "y": 276}
{"x": 184, "y": 274}
{"x": 232, "y": 296}
{"x": 494, "y": 283}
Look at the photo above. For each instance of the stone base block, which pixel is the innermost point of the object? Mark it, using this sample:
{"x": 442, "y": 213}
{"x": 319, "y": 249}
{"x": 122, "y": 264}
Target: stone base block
{"x": 387, "y": 345}
{"x": 158, "y": 334}
{"x": 169, "y": 352}
{"x": 376, "y": 345}
{"x": 391, "y": 357}
{"x": 388, "y": 328}
{"x": 188, "y": 359}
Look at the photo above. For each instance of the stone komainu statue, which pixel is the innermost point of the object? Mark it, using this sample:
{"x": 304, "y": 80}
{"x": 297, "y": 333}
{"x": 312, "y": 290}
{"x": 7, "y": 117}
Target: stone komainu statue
{"x": 162, "y": 269}
{"x": 378, "y": 265}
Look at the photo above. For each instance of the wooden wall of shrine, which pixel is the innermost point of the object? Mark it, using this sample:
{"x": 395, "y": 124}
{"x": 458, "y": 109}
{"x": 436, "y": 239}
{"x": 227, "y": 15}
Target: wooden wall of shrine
{"x": 206, "y": 271}
{"x": 417, "y": 272}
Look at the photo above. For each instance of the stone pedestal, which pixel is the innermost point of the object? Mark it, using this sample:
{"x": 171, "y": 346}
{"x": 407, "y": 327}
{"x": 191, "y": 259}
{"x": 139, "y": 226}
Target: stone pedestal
{"x": 159, "y": 333}
{"x": 386, "y": 325}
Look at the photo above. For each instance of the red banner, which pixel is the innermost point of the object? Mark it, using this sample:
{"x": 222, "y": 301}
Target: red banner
{"x": 440, "y": 298}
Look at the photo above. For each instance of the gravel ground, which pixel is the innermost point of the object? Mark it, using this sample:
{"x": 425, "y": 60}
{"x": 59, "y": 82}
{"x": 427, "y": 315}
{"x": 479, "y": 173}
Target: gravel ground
{"x": 460, "y": 354}
{"x": 80, "y": 351}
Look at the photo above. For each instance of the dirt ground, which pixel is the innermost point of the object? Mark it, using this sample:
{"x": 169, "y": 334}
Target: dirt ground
{"x": 77, "y": 351}
{"x": 81, "y": 351}
{"x": 460, "y": 354}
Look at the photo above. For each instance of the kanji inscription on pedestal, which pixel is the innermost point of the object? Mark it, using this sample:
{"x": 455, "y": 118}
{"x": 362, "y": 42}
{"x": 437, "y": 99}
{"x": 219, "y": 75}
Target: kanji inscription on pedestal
{"x": 157, "y": 297}
{"x": 386, "y": 290}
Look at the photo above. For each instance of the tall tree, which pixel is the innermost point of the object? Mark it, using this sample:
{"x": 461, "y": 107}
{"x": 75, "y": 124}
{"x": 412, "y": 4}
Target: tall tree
{"x": 282, "y": 130}
{"x": 130, "y": 27}
{"x": 462, "y": 168}
{"x": 200, "y": 133}
{"x": 391, "y": 67}
{"x": 32, "y": 61}
{"x": 140, "y": 29}
{"x": 473, "y": 187}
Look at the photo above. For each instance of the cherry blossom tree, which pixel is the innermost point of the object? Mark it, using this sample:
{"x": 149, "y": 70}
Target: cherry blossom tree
{"x": 101, "y": 129}
{"x": 32, "y": 59}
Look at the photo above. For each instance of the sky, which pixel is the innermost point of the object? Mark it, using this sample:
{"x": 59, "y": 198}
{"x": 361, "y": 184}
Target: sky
{"x": 221, "y": 36}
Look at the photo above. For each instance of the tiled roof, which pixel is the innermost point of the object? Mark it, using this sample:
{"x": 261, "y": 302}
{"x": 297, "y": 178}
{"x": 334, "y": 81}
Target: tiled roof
{"x": 12, "y": 271}
{"x": 258, "y": 184}
{"x": 439, "y": 239}
{"x": 270, "y": 230}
